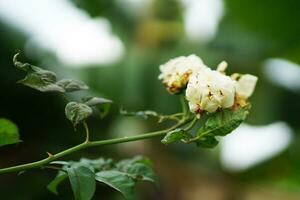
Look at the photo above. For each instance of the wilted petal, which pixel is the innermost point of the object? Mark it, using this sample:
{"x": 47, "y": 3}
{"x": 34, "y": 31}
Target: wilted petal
{"x": 175, "y": 73}
{"x": 210, "y": 90}
{"x": 246, "y": 85}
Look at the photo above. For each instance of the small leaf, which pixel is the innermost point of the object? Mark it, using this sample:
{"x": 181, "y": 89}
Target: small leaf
{"x": 224, "y": 122}
{"x": 52, "y": 186}
{"x": 70, "y": 85}
{"x": 207, "y": 142}
{"x": 59, "y": 162}
{"x": 175, "y": 135}
{"x": 93, "y": 101}
{"x": 138, "y": 167}
{"x": 9, "y": 133}
{"x": 142, "y": 172}
{"x": 121, "y": 176}
{"x": 102, "y": 104}
{"x": 144, "y": 114}
{"x": 97, "y": 164}
{"x": 120, "y": 181}
{"x": 77, "y": 112}
{"x": 22, "y": 66}
{"x": 43, "y": 81}
{"x": 82, "y": 181}
{"x": 38, "y": 78}
{"x": 220, "y": 124}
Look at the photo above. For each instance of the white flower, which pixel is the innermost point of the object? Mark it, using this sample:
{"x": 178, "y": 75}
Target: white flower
{"x": 176, "y": 72}
{"x": 245, "y": 85}
{"x": 210, "y": 90}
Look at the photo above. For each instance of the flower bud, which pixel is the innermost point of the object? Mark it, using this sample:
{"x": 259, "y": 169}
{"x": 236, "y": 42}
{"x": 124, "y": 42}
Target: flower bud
{"x": 175, "y": 73}
{"x": 222, "y": 67}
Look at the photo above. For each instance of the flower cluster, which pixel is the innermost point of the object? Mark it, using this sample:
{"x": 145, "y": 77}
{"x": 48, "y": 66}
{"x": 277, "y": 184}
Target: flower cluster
{"x": 207, "y": 90}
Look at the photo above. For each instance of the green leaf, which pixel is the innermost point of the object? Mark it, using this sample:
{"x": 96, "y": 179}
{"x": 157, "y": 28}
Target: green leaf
{"x": 121, "y": 176}
{"x": 120, "y": 181}
{"x": 77, "y": 112}
{"x": 82, "y": 181}
{"x": 142, "y": 172}
{"x": 59, "y": 162}
{"x": 52, "y": 186}
{"x": 38, "y": 78}
{"x": 175, "y": 135}
{"x": 123, "y": 164}
{"x": 224, "y": 122}
{"x": 138, "y": 167}
{"x": 144, "y": 114}
{"x": 220, "y": 124}
{"x": 207, "y": 142}
{"x": 70, "y": 85}
{"x": 22, "y": 66}
{"x": 102, "y": 104}
{"x": 43, "y": 80}
{"x": 9, "y": 133}
{"x": 97, "y": 164}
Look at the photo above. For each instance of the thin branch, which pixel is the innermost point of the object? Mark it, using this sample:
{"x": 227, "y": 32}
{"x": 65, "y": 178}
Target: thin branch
{"x": 86, "y": 127}
{"x": 192, "y": 124}
{"x": 184, "y": 106}
{"x": 43, "y": 162}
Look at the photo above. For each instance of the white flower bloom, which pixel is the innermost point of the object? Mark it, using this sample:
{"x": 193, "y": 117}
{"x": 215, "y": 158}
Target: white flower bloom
{"x": 245, "y": 85}
{"x": 176, "y": 72}
{"x": 210, "y": 90}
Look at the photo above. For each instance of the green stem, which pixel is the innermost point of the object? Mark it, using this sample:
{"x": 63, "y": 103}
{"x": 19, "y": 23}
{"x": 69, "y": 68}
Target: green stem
{"x": 87, "y": 138}
{"x": 43, "y": 162}
{"x": 191, "y": 125}
{"x": 184, "y": 106}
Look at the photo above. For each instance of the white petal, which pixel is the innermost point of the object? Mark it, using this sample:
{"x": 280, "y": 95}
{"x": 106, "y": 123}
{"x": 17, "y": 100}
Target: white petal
{"x": 210, "y": 90}
{"x": 176, "y": 72}
{"x": 222, "y": 66}
{"x": 246, "y": 85}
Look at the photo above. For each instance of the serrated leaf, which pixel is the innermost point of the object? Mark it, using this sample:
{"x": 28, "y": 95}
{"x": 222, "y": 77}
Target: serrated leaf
{"x": 220, "y": 124}
{"x": 120, "y": 181}
{"x": 82, "y": 181}
{"x": 121, "y": 176}
{"x": 144, "y": 114}
{"x": 142, "y": 172}
{"x": 52, "y": 186}
{"x": 70, "y": 85}
{"x": 102, "y": 104}
{"x": 9, "y": 133}
{"x": 42, "y": 81}
{"x": 175, "y": 135}
{"x": 138, "y": 167}
{"x": 77, "y": 112}
{"x": 224, "y": 122}
{"x": 38, "y": 78}
{"x": 124, "y": 164}
{"x": 97, "y": 164}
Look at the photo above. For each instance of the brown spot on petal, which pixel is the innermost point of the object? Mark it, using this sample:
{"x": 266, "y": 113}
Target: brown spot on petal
{"x": 199, "y": 110}
{"x": 239, "y": 102}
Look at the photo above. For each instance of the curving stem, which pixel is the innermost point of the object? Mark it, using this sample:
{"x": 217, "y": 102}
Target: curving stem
{"x": 50, "y": 158}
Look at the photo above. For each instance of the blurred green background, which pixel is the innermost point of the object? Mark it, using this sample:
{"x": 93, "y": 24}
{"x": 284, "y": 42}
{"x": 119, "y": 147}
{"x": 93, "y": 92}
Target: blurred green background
{"x": 119, "y": 58}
